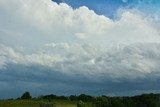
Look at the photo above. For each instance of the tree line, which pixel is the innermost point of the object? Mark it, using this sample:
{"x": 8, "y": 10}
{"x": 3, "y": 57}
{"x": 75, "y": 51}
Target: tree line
{"x": 144, "y": 100}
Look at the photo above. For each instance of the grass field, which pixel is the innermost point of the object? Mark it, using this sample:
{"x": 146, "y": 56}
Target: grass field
{"x": 36, "y": 103}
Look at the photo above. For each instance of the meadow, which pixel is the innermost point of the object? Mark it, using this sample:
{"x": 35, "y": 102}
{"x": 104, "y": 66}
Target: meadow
{"x": 37, "y": 103}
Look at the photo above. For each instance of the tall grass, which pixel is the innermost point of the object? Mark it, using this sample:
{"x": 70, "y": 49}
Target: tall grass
{"x": 36, "y": 103}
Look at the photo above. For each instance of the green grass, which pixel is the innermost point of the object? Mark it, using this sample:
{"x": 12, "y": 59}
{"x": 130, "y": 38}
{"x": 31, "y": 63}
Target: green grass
{"x": 36, "y": 103}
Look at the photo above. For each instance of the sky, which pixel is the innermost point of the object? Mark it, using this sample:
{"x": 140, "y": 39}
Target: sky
{"x": 64, "y": 47}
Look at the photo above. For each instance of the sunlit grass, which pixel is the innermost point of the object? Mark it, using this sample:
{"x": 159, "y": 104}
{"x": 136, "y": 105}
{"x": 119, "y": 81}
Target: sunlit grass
{"x": 36, "y": 103}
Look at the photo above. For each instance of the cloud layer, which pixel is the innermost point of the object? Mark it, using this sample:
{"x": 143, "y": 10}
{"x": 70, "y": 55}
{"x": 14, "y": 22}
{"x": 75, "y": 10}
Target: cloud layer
{"x": 44, "y": 43}
{"x": 94, "y": 62}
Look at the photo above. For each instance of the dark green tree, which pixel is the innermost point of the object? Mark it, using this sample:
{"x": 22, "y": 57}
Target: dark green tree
{"x": 26, "y": 95}
{"x": 102, "y": 102}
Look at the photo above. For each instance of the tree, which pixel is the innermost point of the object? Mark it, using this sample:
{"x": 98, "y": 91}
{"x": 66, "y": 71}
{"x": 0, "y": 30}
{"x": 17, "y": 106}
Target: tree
{"x": 26, "y": 95}
{"x": 102, "y": 102}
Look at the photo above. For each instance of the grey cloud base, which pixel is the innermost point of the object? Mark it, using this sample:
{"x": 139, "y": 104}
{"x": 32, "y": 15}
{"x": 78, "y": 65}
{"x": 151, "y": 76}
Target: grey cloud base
{"x": 54, "y": 82}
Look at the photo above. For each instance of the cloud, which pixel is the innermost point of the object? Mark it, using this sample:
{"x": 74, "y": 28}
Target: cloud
{"x": 121, "y": 69}
{"x": 82, "y": 24}
{"x": 43, "y": 40}
{"x": 94, "y": 62}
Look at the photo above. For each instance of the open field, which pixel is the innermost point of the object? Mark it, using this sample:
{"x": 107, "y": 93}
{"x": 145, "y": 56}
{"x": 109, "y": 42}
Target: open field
{"x": 35, "y": 103}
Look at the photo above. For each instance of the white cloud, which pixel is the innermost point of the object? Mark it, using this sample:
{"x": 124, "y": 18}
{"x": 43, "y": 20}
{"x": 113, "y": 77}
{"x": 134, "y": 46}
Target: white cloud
{"x": 62, "y": 23}
{"x": 35, "y": 23}
{"x": 94, "y": 62}
{"x": 49, "y": 21}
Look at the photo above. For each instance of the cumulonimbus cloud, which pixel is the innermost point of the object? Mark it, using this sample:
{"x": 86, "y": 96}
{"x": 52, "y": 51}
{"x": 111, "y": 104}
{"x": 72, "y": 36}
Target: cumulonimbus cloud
{"x": 78, "y": 42}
